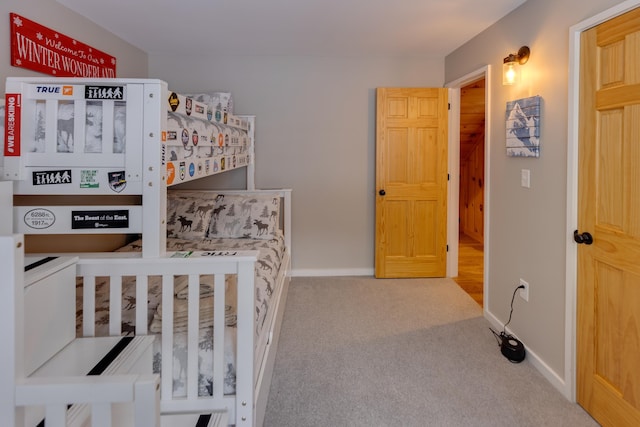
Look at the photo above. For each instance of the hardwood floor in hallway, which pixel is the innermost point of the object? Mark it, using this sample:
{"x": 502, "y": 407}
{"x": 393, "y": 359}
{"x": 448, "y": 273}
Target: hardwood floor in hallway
{"x": 471, "y": 267}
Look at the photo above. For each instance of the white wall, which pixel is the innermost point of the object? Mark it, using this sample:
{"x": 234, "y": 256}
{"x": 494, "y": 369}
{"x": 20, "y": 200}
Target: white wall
{"x": 131, "y": 62}
{"x": 315, "y": 130}
{"x": 528, "y": 232}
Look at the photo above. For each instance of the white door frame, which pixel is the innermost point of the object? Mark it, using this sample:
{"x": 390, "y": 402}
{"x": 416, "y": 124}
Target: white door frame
{"x": 572, "y": 186}
{"x": 453, "y": 209}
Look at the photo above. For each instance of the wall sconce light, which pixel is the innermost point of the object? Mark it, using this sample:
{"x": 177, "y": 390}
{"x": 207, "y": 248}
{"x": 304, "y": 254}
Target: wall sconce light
{"x": 510, "y": 71}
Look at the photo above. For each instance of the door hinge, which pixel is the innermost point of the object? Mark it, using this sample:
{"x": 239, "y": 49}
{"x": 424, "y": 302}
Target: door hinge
{"x": 449, "y": 106}
{"x": 448, "y": 177}
{"x": 447, "y": 248}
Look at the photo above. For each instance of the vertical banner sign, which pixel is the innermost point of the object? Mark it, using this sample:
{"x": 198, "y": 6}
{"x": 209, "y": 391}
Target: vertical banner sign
{"x": 42, "y": 49}
{"x": 13, "y": 104}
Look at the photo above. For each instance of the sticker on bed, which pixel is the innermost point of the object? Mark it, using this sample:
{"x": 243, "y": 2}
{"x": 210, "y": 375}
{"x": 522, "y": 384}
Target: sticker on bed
{"x": 104, "y": 92}
{"x": 82, "y": 220}
{"x": 174, "y": 101}
{"x": 52, "y": 177}
{"x": 89, "y": 179}
{"x": 13, "y": 107}
{"x": 171, "y": 173}
{"x": 39, "y": 218}
{"x": 117, "y": 181}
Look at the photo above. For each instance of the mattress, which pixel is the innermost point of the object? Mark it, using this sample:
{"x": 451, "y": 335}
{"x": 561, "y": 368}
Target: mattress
{"x": 270, "y": 255}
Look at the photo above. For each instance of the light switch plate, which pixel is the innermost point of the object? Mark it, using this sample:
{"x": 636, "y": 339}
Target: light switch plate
{"x": 525, "y": 178}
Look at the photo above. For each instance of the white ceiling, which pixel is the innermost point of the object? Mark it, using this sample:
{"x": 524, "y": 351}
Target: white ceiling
{"x": 295, "y": 27}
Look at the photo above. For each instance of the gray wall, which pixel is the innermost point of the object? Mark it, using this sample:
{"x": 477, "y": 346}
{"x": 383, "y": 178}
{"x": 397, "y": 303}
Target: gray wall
{"x": 315, "y": 125}
{"x": 528, "y": 232}
{"x": 131, "y": 62}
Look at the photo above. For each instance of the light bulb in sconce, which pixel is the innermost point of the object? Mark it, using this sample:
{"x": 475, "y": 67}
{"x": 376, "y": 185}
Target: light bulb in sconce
{"x": 511, "y": 65}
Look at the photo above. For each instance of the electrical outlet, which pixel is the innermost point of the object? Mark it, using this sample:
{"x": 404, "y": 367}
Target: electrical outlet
{"x": 524, "y": 293}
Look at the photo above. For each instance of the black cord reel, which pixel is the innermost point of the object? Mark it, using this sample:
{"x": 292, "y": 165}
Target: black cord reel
{"x": 510, "y": 347}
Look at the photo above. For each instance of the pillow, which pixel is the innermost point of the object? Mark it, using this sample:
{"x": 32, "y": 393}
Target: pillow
{"x": 245, "y": 216}
{"x": 188, "y": 217}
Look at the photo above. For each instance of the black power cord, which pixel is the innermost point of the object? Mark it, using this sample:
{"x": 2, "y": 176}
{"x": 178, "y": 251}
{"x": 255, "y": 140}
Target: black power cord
{"x": 510, "y": 346}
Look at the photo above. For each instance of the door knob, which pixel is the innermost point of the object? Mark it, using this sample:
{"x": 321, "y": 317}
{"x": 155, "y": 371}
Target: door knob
{"x": 382, "y": 192}
{"x": 581, "y": 238}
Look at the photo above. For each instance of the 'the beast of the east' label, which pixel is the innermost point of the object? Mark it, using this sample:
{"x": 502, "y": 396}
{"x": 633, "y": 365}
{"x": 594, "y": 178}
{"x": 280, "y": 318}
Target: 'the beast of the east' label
{"x": 99, "y": 219}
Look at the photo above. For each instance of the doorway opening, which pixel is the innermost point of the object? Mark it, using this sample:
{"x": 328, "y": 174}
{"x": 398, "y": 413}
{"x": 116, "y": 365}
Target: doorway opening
{"x": 471, "y": 192}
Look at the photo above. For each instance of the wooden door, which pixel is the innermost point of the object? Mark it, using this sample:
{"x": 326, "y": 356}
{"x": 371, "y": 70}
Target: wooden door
{"x": 411, "y": 182}
{"x": 472, "y": 193}
{"x": 608, "y": 323}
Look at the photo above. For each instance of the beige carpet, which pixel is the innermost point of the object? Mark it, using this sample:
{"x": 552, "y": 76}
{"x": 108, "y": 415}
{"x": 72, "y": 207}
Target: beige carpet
{"x": 357, "y": 351}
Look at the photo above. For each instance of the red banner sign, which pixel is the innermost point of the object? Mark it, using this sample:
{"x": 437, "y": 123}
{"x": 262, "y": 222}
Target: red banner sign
{"x": 47, "y": 51}
{"x": 13, "y": 105}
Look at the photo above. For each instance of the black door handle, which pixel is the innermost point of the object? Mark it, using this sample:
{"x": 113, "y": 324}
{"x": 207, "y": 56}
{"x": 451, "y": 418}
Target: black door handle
{"x": 382, "y": 192}
{"x": 581, "y": 238}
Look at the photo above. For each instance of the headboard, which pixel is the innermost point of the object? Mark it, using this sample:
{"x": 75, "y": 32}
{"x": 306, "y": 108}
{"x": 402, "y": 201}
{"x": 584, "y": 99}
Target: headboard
{"x": 111, "y": 147}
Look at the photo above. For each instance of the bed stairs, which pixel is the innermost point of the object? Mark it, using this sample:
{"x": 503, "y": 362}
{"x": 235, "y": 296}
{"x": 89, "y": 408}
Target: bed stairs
{"x": 51, "y": 349}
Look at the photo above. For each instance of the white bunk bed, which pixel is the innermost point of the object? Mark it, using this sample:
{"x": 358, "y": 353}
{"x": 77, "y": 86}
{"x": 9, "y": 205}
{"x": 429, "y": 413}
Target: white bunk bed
{"x": 158, "y": 143}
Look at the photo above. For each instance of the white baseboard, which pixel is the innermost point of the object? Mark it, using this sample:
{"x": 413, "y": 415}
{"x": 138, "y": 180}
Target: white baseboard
{"x": 332, "y": 272}
{"x": 556, "y": 380}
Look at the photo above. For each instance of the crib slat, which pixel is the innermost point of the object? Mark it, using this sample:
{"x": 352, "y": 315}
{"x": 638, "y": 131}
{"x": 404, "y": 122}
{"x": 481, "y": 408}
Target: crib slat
{"x": 56, "y": 415}
{"x": 193, "y": 320}
{"x": 115, "y": 305}
{"x": 218, "y": 335}
{"x": 166, "y": 392}
{"x": 107, "y": 126}
{"x": 51, "y": 126}
{"x": 142, "y": 290}
{"x": 101, "y": 415}
{"x": 79, "y": 136}
{"x": 89, "y": 306}
{"x": 147, "y": 401}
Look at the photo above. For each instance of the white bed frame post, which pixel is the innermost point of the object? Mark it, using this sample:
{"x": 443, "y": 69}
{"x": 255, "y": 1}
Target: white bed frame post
{"x": 6, "y": 207}
{"x": 154, "y": 187}
{"x": 251, "y": 167}
{"x": 245, "y": 373}
{"x": 11, "y": 327}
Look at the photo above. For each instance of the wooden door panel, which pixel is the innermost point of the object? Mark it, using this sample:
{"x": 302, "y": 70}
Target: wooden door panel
{"x": 632, "y": 160}
{"x": 428, "y": 107}
{"x": 610, "y": 173}
{"x": 397, "y": 231}
{"x": 616, "y": 359}
{"x": 397, "y": 156}
{"x": 425, "y": 241}
{"x": 397, "y": 107}
{"x": 608, "y": 335}
{"x": 426, "y": 162}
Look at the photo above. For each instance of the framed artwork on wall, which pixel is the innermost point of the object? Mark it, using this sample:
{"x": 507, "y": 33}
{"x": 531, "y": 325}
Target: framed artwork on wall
{"x": 523, "y": 127}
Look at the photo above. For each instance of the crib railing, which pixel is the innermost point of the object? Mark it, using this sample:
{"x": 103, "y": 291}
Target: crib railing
{"x": 216, "y": 264}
